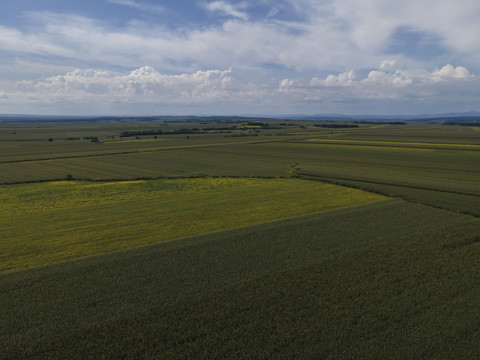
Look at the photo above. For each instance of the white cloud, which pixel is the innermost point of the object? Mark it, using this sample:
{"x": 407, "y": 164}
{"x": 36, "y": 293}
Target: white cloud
{"x": 379, "y": 84}
{"x": 227, "y": 9}
{"x": 144, "y": 84}
{"x": 388, "y": 65}
{"x": 138, "y": 5}
{"x": 26, "y": 68}
{"x": 272, "y": 12}
{"x": 374, "y": 19}
{"x": 450, "y": 72}
{"x": 343, "y": 79}
{"x": 337, "y": 35}
{"x": 13, "y": 40}
{"x": 287, "y": 85}
{"x": 219, "y": 90}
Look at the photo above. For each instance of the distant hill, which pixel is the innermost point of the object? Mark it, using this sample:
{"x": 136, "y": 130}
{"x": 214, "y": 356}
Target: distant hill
{"x": 445, "y": 118}
{"x": 471, "y": 116}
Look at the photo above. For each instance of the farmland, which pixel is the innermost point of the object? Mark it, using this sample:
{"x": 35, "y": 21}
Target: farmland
{"x": 238, "y": 238}
{"x": 57, "y": 221}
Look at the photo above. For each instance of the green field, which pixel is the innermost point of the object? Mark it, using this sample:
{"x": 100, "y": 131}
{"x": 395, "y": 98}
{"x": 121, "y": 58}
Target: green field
{"x": 238, "y": 238}
{"x": 56, "y": 221}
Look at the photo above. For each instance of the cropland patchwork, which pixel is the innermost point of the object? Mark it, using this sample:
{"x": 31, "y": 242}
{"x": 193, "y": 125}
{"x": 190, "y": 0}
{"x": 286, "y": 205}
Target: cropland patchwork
{"x": 238, "y": 238}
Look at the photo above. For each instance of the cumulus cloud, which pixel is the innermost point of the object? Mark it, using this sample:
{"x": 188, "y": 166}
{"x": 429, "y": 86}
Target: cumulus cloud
{"x": 289, "y": 86}
{"x": 144, "y": 84}
{"x": 384, "y": 83}
{"x": 447, "y": 88}
{"x": 344, "y": 79}
{"x": 449, "y": 72}
{"x": 388, "y": 65}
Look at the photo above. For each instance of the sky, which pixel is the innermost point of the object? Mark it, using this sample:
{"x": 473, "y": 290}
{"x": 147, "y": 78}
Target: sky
{"x": 224, "y": 57}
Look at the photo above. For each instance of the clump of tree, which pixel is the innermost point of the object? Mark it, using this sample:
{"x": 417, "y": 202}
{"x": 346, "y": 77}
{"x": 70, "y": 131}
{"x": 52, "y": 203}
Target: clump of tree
{"x": 462, "y": 123}
{"x": 381, "y": 122}
{"x": 262, "y": 125}
{"x": 239, "y": 135}
{"x": 243, "y": 126}
{"x": 219, "y": 128}
{"x": 336, "y": 126}
{"x": 130, "y": 133}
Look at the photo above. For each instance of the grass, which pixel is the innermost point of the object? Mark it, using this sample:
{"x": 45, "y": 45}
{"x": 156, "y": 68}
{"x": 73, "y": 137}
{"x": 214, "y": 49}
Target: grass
{"x": 56, "y": 221}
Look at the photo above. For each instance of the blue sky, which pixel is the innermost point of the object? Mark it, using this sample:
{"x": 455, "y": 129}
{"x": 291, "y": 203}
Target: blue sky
{"x": 144, "y": 57}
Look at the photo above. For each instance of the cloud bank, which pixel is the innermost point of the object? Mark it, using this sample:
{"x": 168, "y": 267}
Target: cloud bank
{"x": 213, "y": 87}
{"x": 145, "y": 84}
{"x": 386, "y": 83}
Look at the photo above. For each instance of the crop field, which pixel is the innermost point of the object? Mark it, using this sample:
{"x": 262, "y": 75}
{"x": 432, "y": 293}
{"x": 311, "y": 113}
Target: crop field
{"x": 238, "y": 238}
{"x": 382, "y": 280}
{"x": 57, "y": 221}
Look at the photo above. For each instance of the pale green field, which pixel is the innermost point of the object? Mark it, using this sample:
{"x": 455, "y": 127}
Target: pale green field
{"x": 49, "y": 222}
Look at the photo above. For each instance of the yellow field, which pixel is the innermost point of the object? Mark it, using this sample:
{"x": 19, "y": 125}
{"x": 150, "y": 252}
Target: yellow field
{"x": 48, "y": 222}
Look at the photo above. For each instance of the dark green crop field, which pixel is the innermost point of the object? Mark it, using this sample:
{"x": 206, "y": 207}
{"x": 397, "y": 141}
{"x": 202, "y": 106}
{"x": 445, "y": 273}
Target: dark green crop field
{"x": 238, "y": 238}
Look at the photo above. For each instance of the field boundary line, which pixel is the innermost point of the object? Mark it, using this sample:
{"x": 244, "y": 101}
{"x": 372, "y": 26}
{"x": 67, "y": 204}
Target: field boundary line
{"x": 448, "y": 147}
{"x": 338, "y": 181}
{"x": 147, "y": 179}
{"x": 299, "y": 174}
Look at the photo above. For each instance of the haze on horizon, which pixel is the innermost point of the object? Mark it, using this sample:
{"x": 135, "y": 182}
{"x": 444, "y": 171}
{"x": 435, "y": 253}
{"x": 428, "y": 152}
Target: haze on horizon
{"x": 141, "y": 57}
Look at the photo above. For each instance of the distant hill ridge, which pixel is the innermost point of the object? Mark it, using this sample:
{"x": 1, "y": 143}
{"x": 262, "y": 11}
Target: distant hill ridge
{"x": 460, "y": 117}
